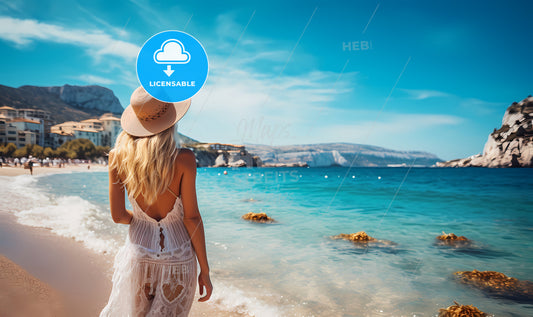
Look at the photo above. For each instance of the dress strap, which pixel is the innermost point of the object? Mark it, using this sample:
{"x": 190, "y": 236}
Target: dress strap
{"x": 170, "y": 190}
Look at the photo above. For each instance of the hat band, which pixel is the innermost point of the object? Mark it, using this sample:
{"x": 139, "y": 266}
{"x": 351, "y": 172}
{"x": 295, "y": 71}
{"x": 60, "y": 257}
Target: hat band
{"x": 149, "y": 117}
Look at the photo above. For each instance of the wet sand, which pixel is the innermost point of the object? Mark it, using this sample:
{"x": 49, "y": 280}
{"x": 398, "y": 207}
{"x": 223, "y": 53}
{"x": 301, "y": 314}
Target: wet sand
{"x": 74, "y": 277}
{"x": 21, "y": 294}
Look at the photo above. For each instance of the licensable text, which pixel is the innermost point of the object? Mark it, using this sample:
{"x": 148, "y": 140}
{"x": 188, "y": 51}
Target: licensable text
{"x": 161, "y": 83}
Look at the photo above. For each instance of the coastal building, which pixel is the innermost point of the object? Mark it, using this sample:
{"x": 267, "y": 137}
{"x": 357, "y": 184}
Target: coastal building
{"x": 20, "y": 131}
{"x": 34, "y": 126}
{"x": 27, "y": 125}
{"x": 8, "y": 112}
{"x": 111, "y": 129}
{"x": 25, "y": 138}
{"x": 94, "y": 124}
{"x": 102, "y": 131}
{"x": 24, "y": 126}
{"x": 225, "y": 147}
{"x": 91, "y": 134}
{"x": 59, "y": 137}
{"x": 11, "y": 134}
{"x": 44, "y": 118}
{"x": 33, "y": 114}
{"x": 67, "y": 127}
{"x": 7, "y": 132}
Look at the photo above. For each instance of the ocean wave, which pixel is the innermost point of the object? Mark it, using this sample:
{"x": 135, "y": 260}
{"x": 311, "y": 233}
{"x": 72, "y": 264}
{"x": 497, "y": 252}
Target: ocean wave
{"x": 67, "y": 216}
{"x": 232, "y": 299}
{"x": 71, "y": 217}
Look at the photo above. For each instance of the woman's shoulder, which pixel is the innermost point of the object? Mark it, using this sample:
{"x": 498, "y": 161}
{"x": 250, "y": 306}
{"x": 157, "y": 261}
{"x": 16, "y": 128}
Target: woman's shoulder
{"x": 186, "y": 158}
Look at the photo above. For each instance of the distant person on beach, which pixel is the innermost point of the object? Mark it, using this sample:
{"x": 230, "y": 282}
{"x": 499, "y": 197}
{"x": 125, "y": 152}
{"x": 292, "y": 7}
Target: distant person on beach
{"x": 156, "y": 270}
{"x": 29, "y": 164}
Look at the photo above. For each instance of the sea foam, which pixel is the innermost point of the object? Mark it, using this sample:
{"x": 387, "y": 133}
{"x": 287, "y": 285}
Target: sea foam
{"x": 67, "y": 216}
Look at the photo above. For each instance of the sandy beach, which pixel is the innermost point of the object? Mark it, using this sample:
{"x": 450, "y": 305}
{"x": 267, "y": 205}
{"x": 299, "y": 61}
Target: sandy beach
{"x": 25, "y": 295}
{"x": 70, "y": 280}
{"x": 44, "y": 274}
{"x": 15, "y": 171}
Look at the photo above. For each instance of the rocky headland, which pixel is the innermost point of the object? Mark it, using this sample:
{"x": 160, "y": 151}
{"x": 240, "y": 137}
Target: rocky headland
{"x": 339, "y": 154}
{"x": 224, "y": 155}
{"x": 509, "y": 146}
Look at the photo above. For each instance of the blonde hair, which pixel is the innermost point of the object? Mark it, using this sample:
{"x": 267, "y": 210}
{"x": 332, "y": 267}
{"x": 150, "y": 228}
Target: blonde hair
{"x": 145, "y": 165}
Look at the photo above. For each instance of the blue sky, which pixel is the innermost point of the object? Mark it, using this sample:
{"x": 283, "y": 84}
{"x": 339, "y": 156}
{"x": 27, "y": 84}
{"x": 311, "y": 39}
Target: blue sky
{"x": 434, "y": 76}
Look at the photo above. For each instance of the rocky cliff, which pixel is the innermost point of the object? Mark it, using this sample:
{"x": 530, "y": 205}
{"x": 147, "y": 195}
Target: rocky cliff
{"x": 88, "y": 97}
{"x": 207, "y": 157}
{"x": 66, "y": 103}
{"x": 338, "y": 154}
{"x": 509, "y": 146}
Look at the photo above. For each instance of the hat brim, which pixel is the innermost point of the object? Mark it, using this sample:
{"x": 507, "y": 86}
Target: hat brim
{"x": 132, "y": 125}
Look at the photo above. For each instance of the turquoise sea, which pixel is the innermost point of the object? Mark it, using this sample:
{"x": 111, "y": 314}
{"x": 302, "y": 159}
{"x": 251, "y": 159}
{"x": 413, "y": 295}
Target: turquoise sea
{"x": 292, "y": 267}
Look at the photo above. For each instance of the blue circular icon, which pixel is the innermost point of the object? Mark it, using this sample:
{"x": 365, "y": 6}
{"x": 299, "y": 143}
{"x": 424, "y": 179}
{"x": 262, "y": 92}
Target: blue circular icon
{"x": 172, "y": 66}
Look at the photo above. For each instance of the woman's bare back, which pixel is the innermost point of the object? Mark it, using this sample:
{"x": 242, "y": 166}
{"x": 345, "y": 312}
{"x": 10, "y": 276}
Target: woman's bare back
{"x": 165, "y": 202}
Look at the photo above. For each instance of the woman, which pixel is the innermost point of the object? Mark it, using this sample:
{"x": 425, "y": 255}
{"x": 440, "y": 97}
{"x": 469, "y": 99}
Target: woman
{"x": 155, "y": 271}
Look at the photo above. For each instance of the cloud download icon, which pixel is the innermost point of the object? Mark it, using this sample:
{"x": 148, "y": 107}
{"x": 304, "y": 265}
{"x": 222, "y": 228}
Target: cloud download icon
{"x": 172, "y": 52}
{"x": 172, "y": 66}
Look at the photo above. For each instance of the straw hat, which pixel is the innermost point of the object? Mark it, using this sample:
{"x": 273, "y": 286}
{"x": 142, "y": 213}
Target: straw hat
{"x": 147, "y": 116}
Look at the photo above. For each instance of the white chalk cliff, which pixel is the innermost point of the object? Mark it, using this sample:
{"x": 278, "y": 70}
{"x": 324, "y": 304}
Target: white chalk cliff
{"x": 338, "y": 154}
{"x": 509, "y": 146}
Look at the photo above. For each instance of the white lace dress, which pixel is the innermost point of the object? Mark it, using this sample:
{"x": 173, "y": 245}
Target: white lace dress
{"x": 155, "y": 271}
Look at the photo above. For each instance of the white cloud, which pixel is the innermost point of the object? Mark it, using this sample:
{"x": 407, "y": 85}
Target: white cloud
{"x": 97, "y": 43}
{"x": 482, "y": 107}
{"x": 421, "y": 94}
{"x": 474, "y": 105}
{"x": 399, "y": 123}
{"x": 391, "y": 130}
{"x": 92, "y": 79}
{"x": 240, "y": 105}
{"x": 174, "y": 17}
{"x": 245, "y": 101}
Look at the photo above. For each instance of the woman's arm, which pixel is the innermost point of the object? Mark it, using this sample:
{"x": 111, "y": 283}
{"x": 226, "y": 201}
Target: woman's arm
{"x": 116, "y": 197}
{"x": 193, "y": 221}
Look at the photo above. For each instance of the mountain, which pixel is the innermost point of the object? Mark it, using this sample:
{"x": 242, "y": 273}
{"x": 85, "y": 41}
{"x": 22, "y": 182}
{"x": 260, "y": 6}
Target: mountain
{"x": 509, "y": 146}
{"x": 338, "y": 154}
{"x": 65, "y": 103}
{"x": 88, "y": 97}
{"x": 183, "y": 140}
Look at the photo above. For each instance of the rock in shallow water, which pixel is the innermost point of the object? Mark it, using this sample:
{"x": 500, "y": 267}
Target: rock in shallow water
{"x": 258, "y": 217}
{"x": 451, "y": 236}
{"x": 499, "y": 284}
{"x": 461, "y": 311}
{"x": 360, "y": 236}
{"x": 452, "y": 240}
